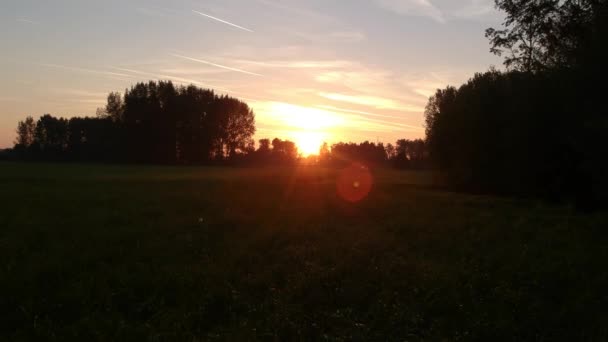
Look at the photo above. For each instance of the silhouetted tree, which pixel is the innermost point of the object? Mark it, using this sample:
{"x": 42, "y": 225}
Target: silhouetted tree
{"x": 93, "y": 139}
{"x": 155, "y": 122}
{"x": 409, "y": 154}
{"x": 541, "y": 34}
{"x": 390, "y": 151}
{"x": 324, "y": 154}
{"x": 284, "y": 151}
{"x": 236, "y": 124}
{"x": 367, "y": 153}
{"x": 26, "y": 130}
{"x": 114, "y": 108}
{"x": 51, "y": 137}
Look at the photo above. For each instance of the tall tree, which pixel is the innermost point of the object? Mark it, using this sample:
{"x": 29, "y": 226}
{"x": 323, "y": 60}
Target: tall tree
{"x": 25, "y": 132}
{"x": 541, "y": 34}
{"x": 236, "y": 123}
{"x": 114, "y": 108}
{"x": 324, "y": 154}
{"x": 51, "y": 136}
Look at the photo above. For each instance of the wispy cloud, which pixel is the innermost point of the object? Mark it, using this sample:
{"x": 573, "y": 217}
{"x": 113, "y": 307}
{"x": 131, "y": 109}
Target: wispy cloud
{"x": 99, "y": 101}
{"x": 287, "y": 119}
{"x": 474, "y": 9}
{"x": 361, "y": 112}
{"x": 156, "y": 11}
{"x": 414, "y": 7}
{"x": 385, "y": 119}
{"x": 131, "y": 71}
{"x": 298, "y": 64}
{"x": 27, "y": 21}
{"x": 371, "y": 101}
{"x": 335, "y": 37}
{"x": 90, "y": 71}
{"x": 293, "y": 9}
{"x": 192, "y": 71}
{"x": 174, "y": 78}
{"x": 10, "y": 99}
{"x": 79, "y": 93}
{"x": 222, "y": 21}
{"x": 215, "y": 65}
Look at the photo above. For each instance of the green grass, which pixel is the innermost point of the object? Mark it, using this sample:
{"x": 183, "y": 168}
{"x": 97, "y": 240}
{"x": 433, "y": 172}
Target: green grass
{"x": 92, "y": 252}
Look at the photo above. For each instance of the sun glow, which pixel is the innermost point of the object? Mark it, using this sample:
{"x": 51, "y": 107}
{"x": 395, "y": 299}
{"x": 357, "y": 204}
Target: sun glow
{"x": 309, "y": 143}
{"x": 308, "y": 127}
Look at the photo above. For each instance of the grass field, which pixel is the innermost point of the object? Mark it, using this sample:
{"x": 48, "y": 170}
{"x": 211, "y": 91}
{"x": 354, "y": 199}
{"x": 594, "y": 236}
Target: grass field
{"x": 92, "y": 252}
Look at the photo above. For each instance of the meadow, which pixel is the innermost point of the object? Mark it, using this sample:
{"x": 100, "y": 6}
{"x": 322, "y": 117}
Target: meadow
{"x": 108, "y": 252}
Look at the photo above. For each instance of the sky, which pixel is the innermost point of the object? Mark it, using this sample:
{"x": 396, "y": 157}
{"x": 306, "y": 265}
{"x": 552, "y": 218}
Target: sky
{"x": 312, "y": 70}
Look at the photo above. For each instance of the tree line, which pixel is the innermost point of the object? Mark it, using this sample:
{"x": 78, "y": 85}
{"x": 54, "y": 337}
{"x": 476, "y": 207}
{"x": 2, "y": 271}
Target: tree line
{"x": 154, "y": 122}
{"x": 536, "y": 129}
{"x": 157, "y": 122}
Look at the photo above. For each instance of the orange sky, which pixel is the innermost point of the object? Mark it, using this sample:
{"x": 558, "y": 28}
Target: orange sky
{"x": 312, "y": 70}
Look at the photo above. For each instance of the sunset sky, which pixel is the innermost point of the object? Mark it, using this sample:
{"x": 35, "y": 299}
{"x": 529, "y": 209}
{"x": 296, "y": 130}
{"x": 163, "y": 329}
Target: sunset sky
{"x": 341, "y": 70}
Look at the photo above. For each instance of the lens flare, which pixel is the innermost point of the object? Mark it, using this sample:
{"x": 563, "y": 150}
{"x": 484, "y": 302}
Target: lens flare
{"x": 354, "y": 183}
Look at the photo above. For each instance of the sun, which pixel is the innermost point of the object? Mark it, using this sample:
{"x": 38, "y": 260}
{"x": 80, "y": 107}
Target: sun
{"x": 308, "y": 127}
{"x": 309, "y": 143}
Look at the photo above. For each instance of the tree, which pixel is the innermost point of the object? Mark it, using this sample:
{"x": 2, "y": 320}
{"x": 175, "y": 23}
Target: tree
{"x": 264, "y": 146}
{"x": 115, "y": 107}
{"x": 51, "y": 136}
{"x": 368, "y": 153}
{"x": 390, "y": 151}
{"x": 541, "y": 34}
{"x": 324, "y": 154}
{"x": 155, "y": 122}
{"x": 284, "y": 151}
{"x": 25, "y": 132}
{"x": 236, "y": 123}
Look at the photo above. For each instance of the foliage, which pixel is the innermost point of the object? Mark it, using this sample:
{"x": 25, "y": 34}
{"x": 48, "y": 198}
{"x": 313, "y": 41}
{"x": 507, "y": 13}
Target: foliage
{"x": 536, "y": 130}
{"x": 541, "y": 34}
{"x": 154, "y": 122}
{"x": 25, "y": 132}
{"x": 365, "y": 152}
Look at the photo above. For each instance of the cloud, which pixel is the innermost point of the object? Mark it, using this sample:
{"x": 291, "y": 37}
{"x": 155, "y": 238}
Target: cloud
{"x": 99, "y": 101}
{"x": 10, "y": 99}
{"x": 192, "y": 71}
{"x": 156, "y": 11}
{"x": 348, "y": 36}
{"x": 474, "y": 10}
{"x": 89, "y": 71}
{"x": 364, "y": 115}
{"x": 297, "y": 64}
{"x": 426, "y": 84}
{"x": 222, "y": 21}
{"x": 27, "y": 21}
{"x": 414, "y": 8}
{"x": 352, "y": 111}
{"x": 176, "y": 79}
{"x": 335, "y": 37}
{"x": 302, "y": 117}
{"x": 79, "y": 93}
{"x": 215, "y": 65}
{"x": 371, "y": 101}
{"x": 293, "y": 10}
{"x": 287, "y": 119}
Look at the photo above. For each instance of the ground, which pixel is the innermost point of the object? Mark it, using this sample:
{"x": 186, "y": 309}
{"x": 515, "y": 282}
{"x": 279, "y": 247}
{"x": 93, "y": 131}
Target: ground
{"x": 188, "y": 253}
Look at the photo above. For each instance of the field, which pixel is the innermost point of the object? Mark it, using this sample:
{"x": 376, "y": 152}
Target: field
{"x": 94, "y": 252}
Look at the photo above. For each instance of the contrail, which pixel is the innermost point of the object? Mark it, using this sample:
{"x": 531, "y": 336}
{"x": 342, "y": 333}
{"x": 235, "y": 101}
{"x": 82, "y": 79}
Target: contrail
{"x": 222, "y": 21}
{"x": 216, "y": 65}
